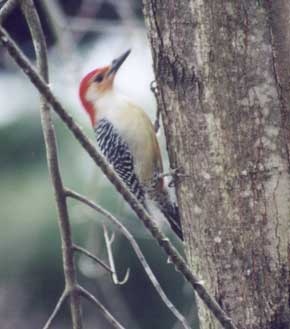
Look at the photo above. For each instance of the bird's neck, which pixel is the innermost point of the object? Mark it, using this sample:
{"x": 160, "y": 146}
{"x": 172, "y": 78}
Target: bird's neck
{"x": 110, "y": 101}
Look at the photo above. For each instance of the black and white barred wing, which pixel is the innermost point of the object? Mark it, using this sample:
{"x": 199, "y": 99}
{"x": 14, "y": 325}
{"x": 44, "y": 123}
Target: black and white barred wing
{"x": 118, "y": 154}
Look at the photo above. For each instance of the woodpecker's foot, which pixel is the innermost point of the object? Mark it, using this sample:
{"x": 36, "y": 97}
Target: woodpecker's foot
{"x": 154, "y": 87}
{"x": 174, "y": 173}
{"x": 178, "y": 173}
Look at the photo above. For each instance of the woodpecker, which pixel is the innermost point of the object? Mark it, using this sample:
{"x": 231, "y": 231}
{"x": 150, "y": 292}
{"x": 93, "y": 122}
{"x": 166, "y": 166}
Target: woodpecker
{"x": 126, "y": 137}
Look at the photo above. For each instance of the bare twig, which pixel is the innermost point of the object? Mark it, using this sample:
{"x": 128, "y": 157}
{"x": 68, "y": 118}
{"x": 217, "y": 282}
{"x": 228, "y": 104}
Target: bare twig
{"x": 62, "y": 26}
{"x": 56, "y": 310}
{"x": 82, "y": 24}
{"x": 6, "y": 9}
{"x": 57, "y": 22}
{"x": 137, "y": 250}
{"x": 93, "y": 257}
{"x": 109, "y": 317}
{"x": 148, "y": 221}
{"x": 109, "y": 242}
{"x": 39, "y": 43}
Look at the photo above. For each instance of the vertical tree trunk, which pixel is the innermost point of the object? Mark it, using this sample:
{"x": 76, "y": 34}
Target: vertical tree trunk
{"x": 223, "y": 72}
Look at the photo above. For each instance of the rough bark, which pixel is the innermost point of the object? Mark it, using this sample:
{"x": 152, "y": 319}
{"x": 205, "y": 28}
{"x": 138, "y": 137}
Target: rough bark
{"x": 222, "y": 69}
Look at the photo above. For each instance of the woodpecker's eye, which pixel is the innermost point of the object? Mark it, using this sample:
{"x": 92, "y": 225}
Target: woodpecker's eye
{"x": 99, "y": 78}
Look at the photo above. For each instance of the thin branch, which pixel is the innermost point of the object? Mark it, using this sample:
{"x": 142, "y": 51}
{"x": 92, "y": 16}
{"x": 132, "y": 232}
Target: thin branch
{"x": 6, "y": 9}
{"x": 137, "y": 250}
{"x": 142, "y": 214}
{"x": 82, "y": 24}
{"x": 62, "y": 26}
{"x": 109, "y": 241}
{"x": 39, "y": 43}
{"x": 56, "y": 310}
{"x": 57, "y": 22}
{"x": 109, "y": 317}
{"x": 93, "y": 257}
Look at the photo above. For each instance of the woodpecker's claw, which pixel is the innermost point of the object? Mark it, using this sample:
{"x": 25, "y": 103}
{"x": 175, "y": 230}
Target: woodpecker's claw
{"x": 174, "y": 173}
{"x": 154, "y": 87}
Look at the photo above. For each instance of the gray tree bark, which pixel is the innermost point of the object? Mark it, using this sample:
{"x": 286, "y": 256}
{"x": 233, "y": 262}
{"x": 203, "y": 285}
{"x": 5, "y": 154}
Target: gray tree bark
{"x": 223, "y": 73}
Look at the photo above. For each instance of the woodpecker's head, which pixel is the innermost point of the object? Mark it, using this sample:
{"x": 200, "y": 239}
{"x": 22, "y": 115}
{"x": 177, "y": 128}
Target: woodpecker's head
{"x": 97, "y": 82}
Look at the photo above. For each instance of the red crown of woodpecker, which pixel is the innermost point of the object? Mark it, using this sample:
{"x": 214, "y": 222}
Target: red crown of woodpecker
{"x": 84, "y": 85}
{"x": 108, "y": 75}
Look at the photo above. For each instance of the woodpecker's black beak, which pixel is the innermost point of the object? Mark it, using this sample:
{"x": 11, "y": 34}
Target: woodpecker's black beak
{"x": 118, "y": 62}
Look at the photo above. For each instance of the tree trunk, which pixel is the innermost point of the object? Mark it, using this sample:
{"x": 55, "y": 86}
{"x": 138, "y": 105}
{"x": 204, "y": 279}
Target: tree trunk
{"x": 223, "y": 73}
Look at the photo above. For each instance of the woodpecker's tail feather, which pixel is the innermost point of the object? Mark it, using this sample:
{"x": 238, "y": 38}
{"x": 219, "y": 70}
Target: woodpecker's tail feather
{"x": 169, "y": 209}
{"x": 171, "y": 213}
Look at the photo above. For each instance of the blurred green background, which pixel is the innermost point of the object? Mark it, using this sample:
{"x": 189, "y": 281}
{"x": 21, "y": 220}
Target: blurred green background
{"x": 88, "y": 34}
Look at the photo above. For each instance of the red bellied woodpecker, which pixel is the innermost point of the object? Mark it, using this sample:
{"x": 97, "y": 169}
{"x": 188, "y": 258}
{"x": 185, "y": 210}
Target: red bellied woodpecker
{"x": 126, "y": 137}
